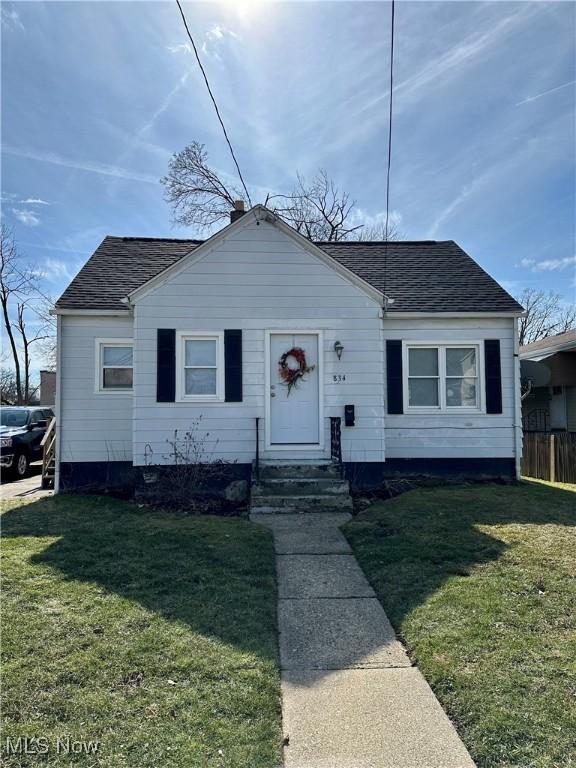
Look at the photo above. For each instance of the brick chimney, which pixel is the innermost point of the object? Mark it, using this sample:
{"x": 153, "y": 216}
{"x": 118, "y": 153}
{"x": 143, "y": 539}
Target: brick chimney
{"x": 238, "y": 210}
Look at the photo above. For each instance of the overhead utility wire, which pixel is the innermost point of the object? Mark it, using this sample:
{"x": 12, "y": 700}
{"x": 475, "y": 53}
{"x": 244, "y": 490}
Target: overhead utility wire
{"x": 389, "y": 153}
{"x": 214, "y": 101}
{"x": 390, "y": 118}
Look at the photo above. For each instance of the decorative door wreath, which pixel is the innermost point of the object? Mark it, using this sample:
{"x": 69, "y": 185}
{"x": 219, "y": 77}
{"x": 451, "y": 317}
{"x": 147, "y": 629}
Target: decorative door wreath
{"x": 291, "y": 376}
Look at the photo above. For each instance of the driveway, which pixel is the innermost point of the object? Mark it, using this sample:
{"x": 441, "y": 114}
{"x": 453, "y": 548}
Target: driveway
{"x": 28, "y": 488}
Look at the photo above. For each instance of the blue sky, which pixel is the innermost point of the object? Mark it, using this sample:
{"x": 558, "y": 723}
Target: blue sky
{"x": 96, "y": 96}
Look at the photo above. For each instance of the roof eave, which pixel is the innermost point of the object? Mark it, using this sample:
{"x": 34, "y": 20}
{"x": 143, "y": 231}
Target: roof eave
{"x": 467, "y": 313}
{"x": 93, "y": 312}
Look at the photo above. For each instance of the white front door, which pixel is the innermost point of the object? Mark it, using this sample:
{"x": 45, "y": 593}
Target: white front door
{"x": 294, "y": 412}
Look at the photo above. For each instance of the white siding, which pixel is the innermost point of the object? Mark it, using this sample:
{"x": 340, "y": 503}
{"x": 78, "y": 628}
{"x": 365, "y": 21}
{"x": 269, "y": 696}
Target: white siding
{"x": 446, "y": 435}
{"x": 93, "y": 427}
{"x": 259, "y": 279}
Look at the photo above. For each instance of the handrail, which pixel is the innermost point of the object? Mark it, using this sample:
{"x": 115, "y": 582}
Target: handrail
{"x": 48, "y": 444}
{"x": 336, "y": 442}
{"x": 51, "y": 427}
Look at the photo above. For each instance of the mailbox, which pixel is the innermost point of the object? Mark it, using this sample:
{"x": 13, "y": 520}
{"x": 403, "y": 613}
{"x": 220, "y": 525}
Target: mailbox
{"x": 349, "y": 415}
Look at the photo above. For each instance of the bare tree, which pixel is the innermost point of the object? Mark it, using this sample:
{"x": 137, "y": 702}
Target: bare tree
{"x": 545, "y": 315}
{"x": 377, "y": 232}
{"x": 317, "y": 209}
{"x": 8, "y": 389}
{"x": 19, "y": 296}
{"x": 195, "y": 191}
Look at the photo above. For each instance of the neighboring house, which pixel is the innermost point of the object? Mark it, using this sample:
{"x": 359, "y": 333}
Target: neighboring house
{"x": 549, "y": 375}
{"x": 154, "y": 333}
{"x": 47, "y": 387}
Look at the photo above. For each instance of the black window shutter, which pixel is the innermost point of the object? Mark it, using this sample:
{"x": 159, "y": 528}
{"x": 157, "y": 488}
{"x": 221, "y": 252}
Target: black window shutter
{"x": 493, "y": 376}
{"x": 394, "y": 375}
{"x": 166, "y": 365}
{"x": 233, "y": 366}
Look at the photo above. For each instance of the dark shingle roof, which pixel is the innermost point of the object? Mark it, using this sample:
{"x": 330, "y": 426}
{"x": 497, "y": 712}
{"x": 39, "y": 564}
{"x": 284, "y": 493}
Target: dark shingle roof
{"x": 118, "y": 266}
{"x": 421, "y": 276}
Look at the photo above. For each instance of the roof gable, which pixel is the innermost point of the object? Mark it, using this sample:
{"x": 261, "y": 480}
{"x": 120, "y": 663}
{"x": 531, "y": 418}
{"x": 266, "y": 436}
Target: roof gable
{"x": 421, "y": 276}
{"x": 262, "y": 216}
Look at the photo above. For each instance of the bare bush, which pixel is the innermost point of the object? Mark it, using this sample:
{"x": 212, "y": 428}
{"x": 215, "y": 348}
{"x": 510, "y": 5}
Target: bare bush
{"x": 186, "y": 477}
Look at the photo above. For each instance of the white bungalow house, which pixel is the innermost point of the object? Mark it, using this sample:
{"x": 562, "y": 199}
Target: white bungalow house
{"x": 410, "y": 346}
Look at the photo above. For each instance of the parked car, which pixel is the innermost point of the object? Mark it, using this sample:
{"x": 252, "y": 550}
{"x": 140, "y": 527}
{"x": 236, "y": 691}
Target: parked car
{"x": 21, "y": 432}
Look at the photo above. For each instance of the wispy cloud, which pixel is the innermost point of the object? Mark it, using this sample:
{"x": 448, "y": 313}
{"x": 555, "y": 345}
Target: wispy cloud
{"x": 81, "y": 165}
{"x": 214, "y": 38}
{"x": 375, "y": 223}
{"x": 149, "y": 124}
{"x": 528, "y": 99}
{"x": 180, "y": 48}
{"x": 469, "y": 48}
{"x": 57, "y": 270}
{"x": 28, "y": 218}
{"x": 451, "y": 62}
{"x": 464, "y": 194}
{"x": 11, "y": 19}
{"x": 34, "y": 201}
{"x": 549, "y": 265}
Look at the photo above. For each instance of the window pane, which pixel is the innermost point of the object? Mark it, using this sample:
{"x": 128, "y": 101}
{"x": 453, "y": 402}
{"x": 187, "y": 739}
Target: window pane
{"x": 200, "y": 381}
{"x": 423, "y": 392}
{"x": 423, "y": 362}
{"x": 117, "y": 355}
{"x": 461, "y": 361}
{"x": 461, "y": 392}
{"x": 117, "y": 378}
{"x": 200, "y": 352}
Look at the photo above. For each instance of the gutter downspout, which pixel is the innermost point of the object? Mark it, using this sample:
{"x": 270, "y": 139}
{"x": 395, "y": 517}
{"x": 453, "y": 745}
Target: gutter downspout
{"x": 517, "y": 403}
{"x": 58, "y": 403}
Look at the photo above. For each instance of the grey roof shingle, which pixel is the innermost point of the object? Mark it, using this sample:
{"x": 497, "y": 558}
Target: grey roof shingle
{"x": 421, "y": 276}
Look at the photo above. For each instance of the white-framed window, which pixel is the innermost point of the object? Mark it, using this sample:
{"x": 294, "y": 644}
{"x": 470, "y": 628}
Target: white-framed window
{"x": 200, "y": 366}
{"x": 114, "y": 365}
{"x": 442, "y": 377}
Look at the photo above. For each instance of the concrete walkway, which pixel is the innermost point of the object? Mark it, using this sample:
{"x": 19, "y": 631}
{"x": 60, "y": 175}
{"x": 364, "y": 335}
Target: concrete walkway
{"x": 350, "y": 696}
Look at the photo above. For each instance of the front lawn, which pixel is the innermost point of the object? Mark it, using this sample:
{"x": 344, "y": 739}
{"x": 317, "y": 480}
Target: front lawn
{"x": 480, "y": 583}
{"x": 153, "y": 634}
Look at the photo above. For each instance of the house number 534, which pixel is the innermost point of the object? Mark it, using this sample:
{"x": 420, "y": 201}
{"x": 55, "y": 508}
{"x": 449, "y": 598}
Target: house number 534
{"x": 339, "y": 377}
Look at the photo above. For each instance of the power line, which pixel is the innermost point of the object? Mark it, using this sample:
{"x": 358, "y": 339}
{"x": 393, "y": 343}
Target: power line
{"x": 390, "y": 117}
{"x": 389, "y": 154}
{"x": 214, "y": 101}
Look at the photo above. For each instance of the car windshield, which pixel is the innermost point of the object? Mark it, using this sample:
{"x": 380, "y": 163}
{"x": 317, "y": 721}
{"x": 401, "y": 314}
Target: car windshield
{"x": 14, "y": 418}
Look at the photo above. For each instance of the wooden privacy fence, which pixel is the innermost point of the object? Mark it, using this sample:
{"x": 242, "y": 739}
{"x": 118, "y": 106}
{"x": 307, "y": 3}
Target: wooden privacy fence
{"x": 549, "y": 456}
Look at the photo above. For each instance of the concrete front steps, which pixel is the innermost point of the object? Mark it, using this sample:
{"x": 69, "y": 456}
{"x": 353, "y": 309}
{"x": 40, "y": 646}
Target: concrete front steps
{"x": 294, "y": 489}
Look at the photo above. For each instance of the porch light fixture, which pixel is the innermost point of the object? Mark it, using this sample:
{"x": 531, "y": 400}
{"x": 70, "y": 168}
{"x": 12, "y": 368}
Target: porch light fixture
{"x": 338, "y": 348}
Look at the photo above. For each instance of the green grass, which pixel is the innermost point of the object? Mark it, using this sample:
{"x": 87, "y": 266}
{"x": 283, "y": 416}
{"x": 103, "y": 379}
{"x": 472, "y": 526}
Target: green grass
{"x": 152, "y": 633}
{"x": 480, "y": 583}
